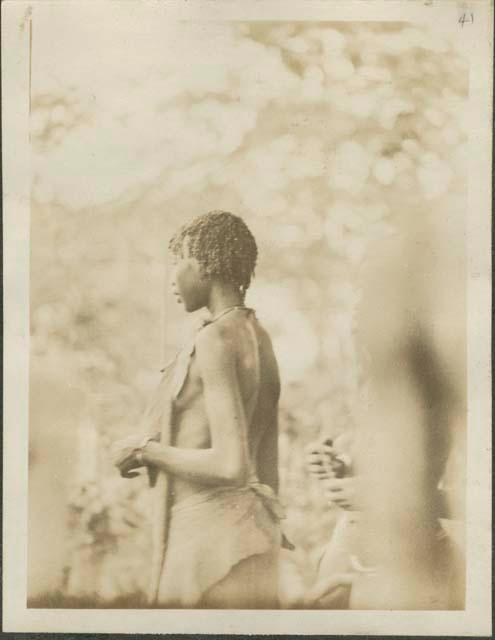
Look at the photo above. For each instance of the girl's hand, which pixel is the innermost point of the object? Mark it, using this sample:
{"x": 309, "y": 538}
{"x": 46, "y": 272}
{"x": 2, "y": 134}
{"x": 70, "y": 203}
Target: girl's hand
{"x": 124, "y": 455}
{"x": 121, "y": 449}
{"x": 127, "y": 466}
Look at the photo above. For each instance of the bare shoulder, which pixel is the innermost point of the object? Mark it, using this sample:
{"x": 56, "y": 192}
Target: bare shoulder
{"x": 215, "y": 346}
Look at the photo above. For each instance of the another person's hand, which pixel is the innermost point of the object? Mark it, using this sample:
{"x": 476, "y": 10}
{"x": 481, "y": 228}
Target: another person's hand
{"x": 318, "y": 457}
{"x": 341, "y": 492}
{"x": 322, "y": 461}
{"x": 326, "y": 587}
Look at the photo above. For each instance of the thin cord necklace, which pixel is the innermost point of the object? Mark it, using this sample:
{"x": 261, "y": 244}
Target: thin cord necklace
{"x": 228, "y": 310}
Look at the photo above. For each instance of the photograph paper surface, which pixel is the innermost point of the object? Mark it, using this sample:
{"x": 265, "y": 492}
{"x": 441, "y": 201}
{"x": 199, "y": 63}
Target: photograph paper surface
{"x": 247, "y": 275}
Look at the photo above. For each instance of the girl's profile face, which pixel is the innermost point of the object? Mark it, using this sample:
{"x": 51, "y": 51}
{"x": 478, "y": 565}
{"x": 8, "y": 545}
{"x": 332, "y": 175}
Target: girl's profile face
{"x": 188, "y": 285}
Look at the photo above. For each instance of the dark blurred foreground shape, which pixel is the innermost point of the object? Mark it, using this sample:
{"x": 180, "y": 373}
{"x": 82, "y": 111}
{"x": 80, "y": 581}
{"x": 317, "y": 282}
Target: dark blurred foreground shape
{"x": 411, "y": 455}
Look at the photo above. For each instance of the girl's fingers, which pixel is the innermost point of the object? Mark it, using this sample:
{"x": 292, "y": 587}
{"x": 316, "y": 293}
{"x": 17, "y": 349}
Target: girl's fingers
{"x": 129, "y": 474}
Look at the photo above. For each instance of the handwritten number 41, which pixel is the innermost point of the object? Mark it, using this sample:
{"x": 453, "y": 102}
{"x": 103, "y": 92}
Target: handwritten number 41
{"x": 466, "y": 18}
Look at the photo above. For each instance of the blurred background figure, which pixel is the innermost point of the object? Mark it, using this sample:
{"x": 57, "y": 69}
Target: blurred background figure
{"x": 411, "y": 454}
{"x": 406, "y": 551}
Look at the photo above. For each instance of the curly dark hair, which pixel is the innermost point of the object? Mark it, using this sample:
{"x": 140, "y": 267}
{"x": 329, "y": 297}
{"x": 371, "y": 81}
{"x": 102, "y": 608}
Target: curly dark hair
{"x": 222, "y": 244}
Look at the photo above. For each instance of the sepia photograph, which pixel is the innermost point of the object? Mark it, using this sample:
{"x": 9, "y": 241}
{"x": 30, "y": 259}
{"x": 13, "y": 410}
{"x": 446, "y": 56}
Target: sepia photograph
{"x": 249, "y": 357}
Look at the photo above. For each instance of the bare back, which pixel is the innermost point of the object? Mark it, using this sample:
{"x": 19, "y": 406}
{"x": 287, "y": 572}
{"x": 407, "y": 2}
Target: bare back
{"x": 259, "y": 384}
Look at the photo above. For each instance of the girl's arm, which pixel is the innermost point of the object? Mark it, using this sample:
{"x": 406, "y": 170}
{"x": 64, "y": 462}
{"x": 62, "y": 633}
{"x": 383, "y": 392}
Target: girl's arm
{"x": 225, "y": 463}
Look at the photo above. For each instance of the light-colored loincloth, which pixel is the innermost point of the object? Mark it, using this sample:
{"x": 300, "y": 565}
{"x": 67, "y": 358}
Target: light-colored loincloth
{"x": 211, "y": 536}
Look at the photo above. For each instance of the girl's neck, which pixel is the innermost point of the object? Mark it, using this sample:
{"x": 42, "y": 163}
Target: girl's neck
{"x": 223, "y": 297}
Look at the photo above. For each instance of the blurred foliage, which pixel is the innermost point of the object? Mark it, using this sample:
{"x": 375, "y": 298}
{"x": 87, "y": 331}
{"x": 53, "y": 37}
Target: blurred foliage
{"x": 318, "y": 134}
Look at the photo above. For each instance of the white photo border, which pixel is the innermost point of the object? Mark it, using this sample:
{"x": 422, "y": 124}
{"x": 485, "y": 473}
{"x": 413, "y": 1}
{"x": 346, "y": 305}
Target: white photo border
{"x": 477, "y": 38}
